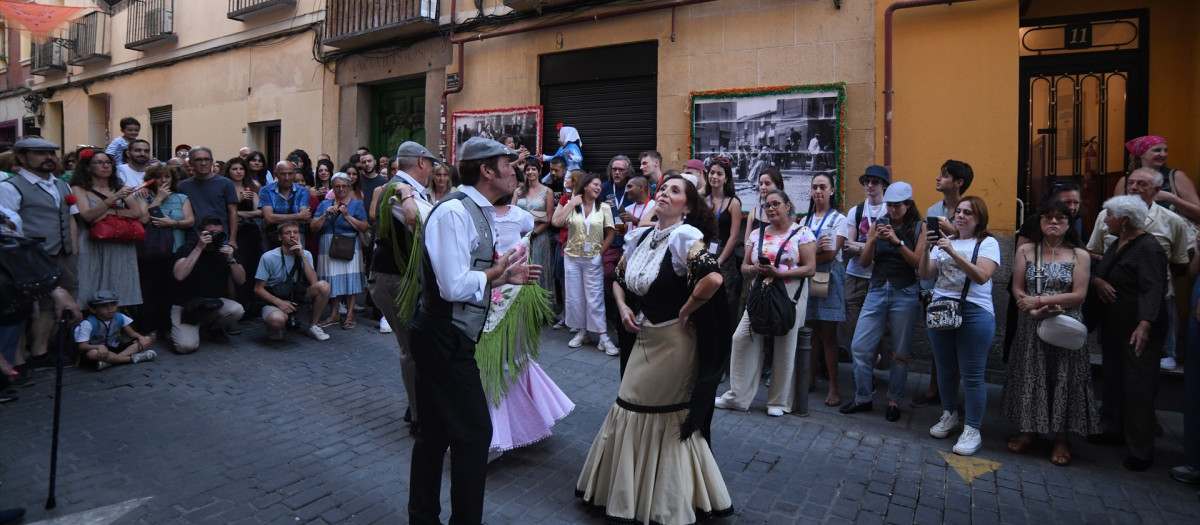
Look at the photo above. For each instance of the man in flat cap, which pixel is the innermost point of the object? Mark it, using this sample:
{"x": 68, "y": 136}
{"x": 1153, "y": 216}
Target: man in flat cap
{"x": 400, "y": 203}
{"x": 42, "y": 201}
{"x": 458, "y": 271}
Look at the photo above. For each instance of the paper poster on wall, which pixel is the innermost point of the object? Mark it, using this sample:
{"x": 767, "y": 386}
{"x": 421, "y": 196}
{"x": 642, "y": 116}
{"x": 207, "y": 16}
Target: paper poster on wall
{"x": 524, "y": 124}
{"x": 798, "y": 130}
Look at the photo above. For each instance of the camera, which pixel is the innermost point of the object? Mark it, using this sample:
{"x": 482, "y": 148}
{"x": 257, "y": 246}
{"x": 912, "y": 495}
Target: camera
{"x": 292, "y": 323}
{"x": 218, "y": 238}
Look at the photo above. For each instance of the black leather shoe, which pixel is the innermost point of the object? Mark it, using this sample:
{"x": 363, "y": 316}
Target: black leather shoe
{"x": 854, "y": 408}
{"x": 893, "y": 413}
{"x": 1137, "y": 464}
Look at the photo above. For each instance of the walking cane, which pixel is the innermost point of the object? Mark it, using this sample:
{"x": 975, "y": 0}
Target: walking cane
{"x": 62, "y": 334}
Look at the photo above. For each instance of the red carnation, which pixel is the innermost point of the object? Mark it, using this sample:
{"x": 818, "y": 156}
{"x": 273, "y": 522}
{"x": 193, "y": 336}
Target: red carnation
{"x": 70, "y": 199}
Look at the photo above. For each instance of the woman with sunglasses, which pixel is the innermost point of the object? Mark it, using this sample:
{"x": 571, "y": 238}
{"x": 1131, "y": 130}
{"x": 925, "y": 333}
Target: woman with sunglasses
{"x": 781, "y": 249}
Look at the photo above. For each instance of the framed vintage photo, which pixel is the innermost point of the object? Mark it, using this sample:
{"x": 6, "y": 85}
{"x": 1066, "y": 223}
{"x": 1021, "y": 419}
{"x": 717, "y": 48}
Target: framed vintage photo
{"x": 525, "y": 124}
{"x": 798, "y": 130}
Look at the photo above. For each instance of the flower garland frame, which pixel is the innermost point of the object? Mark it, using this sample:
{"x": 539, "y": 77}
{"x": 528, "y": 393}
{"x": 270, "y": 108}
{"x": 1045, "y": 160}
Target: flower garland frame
{"x": 839, "y": 147}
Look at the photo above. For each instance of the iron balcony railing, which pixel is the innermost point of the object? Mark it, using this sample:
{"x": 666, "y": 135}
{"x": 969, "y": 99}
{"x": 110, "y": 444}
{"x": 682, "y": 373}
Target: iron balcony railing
{"x": 149, "y": 21}
{"x": 47, "y": 57}
{"x": 352, "y": 22}
{"x": 90, "y": 38}
{"x": 242, "y": 9}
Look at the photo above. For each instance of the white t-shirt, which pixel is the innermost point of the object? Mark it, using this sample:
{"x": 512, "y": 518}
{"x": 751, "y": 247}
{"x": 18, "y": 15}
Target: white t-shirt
{"x": 832, "y": 225}
{"x": 950, "y": 279}
{"x": 129, "y": 176}
{"x": 858, "y": 233}
{"x": 641, "y": 211}
{"x": 511, "y": 226}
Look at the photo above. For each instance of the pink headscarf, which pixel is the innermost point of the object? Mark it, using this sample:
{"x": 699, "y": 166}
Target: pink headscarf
{"x": 1139, "y": 146}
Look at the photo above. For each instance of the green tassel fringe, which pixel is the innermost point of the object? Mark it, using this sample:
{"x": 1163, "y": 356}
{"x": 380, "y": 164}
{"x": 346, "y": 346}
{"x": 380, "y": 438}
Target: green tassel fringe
{"x": 409, "y": 263}
{"x": 503, "y": 353}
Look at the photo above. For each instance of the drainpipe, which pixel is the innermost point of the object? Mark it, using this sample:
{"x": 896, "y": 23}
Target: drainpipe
{"x": 459, "y": 41}
{"x": 888, "y": 90}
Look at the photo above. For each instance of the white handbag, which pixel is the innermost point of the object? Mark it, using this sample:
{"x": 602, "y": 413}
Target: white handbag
{"x": 1061, "y": 330}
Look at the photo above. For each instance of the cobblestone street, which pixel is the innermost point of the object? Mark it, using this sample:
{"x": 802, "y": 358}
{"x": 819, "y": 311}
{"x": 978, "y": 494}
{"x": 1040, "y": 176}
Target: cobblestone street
{"x": 307, "y": 432}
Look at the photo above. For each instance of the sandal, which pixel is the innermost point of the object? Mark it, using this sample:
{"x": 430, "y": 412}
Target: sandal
{"x": 1061, "y": 455}
{"x": 833, "y": 400}
{"x": 347, "y": 324}
{"x": 329, "y": 321}
{"x": 1021, "y": 442}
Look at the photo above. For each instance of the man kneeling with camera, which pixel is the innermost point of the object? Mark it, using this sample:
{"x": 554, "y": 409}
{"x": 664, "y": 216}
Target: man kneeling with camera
{"x": 203, "y": 270}
{"x": 286, "y": 280}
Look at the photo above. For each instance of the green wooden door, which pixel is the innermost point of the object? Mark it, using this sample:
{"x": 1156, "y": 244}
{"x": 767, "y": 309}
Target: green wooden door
{"x": 397, "y": 115}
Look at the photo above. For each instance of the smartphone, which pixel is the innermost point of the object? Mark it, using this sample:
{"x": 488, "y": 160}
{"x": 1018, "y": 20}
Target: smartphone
{"x": 764, "y": 260}
{"x": 884, "y": 221}
{"x": 156, "y": 212}
{"x": 931, "y": 224}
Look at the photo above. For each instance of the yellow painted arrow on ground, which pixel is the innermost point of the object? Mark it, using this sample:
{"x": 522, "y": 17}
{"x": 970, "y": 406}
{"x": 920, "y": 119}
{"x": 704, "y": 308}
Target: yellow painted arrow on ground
{"x": 969, "y": 468}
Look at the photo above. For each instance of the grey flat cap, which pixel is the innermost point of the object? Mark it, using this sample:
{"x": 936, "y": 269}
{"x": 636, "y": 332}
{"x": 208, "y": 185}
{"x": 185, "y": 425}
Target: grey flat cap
{"x": 476, "y": 148}
{"x": 35, "y": 144}
{"x": 412, "y": 149}
{"x": 102, "y": 297}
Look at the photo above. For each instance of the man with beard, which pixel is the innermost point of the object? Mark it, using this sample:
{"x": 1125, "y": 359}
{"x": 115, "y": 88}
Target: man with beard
{"x": 137, "y": 158}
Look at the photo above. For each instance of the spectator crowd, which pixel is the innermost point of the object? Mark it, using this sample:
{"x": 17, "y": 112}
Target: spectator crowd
{"x": 188, "y": 249}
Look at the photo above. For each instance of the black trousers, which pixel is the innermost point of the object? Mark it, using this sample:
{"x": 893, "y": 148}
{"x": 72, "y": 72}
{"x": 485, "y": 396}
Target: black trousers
{"x": 454, "y": 415}
{"x": 1130, "y": 384}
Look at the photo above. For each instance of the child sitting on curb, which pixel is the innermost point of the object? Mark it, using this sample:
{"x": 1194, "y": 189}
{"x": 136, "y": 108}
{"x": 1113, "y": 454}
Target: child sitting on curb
{"x": 99, "y": 335}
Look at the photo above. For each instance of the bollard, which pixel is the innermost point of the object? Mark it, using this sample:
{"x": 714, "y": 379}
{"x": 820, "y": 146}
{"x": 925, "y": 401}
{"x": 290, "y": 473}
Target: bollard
{"x": 803, "y": 351}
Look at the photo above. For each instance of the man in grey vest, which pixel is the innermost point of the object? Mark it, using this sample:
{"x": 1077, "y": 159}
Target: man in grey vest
{"x": 458, "y": 271}
{"x": 46, "y": 207}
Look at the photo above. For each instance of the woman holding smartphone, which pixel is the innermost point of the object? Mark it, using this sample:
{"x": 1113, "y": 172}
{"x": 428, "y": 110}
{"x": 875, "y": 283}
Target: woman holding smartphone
{"x": 894, "y": 247}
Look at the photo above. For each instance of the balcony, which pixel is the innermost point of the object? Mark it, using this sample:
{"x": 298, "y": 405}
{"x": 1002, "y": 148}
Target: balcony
{"x": 91, "y": 36}
{"x": 47, "y": 57}
{"x": 240, "y": 10}
{"x": 150, "y": 22}
{"x": 358, "y": 23}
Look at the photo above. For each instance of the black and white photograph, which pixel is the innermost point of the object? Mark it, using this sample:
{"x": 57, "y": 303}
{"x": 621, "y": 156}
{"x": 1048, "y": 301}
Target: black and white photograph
{"x": 524, "y": 124}
{"x": 793, "y": 130}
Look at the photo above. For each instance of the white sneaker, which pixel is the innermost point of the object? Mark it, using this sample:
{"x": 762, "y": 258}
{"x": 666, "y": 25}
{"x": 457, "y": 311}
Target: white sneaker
{"x": 143, "y": 356}
{"x": 384, "y": 327}
{"x": 101, "y": 365}
{"x": 342, "y": 309}
{"x": 774, "y": 412}
{"x": 1167, "y": 363}
{"x": 577, "y": 341}
{"x": 943, "y": 427}
{"x": 574, "y": 330}
{"x": 317, "y": 333}
{"x": 606, "y": 345}
{"x": 969, "y": 442}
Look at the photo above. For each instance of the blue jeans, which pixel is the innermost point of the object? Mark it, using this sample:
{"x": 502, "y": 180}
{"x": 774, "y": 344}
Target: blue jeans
{"x": 897, "y": 308}
{"x": 10, "y": 335}
{"x": 964, "y": 351}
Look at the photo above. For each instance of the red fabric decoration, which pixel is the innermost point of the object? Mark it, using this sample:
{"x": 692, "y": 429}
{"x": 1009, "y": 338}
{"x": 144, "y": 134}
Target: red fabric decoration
{"x": 86, "y": 154}
{"x": 559, "y": 126}
{"x": 70, "y": 199}
{"x": 1141, "y": 145}
{"x": 37, "y": 18}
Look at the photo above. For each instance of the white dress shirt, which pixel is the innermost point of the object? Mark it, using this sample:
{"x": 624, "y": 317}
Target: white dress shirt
{"x": 450, "y": 237}
{"x": 11, "y": 198}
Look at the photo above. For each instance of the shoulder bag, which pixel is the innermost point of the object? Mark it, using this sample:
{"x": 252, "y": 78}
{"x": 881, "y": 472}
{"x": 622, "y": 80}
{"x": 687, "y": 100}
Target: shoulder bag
{"x": 341, "y": 247}
{"x": 115, "y": 228}
{"x": 946, "y": 314}
{"x": 818, "y": 285}
{"x": 1060, "y": 330}
{"x": 292, "y": 288}
{"x": 772, "y": 312}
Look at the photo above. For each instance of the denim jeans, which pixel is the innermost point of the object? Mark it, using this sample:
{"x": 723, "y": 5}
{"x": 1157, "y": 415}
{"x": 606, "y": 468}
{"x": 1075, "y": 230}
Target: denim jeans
{"x": 964, "y": 351}
{"x": 897, "y": 309}
{"x": 10, "y": 335}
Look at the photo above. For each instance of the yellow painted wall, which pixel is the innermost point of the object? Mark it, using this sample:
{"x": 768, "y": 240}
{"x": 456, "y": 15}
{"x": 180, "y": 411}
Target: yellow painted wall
{"x": 956, "y": 89}
{"x": 211, "y": 102}
{"x": 718, "y": 45}
{"x": 1174, "y": 68}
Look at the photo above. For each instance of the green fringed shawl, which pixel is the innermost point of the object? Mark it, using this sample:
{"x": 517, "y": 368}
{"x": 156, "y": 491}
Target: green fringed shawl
{"x": 503, "y": 352}
{"x": 406, "y": 252}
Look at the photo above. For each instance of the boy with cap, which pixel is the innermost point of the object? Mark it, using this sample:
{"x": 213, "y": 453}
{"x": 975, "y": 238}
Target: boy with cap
{"x": 99, "y": 335}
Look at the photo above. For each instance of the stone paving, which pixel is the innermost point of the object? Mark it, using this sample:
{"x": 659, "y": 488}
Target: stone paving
{"x": 308, "y": 432}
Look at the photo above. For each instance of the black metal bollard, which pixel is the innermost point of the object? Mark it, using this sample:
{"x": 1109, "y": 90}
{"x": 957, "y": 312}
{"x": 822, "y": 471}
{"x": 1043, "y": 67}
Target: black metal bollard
{"x": 803, "y": 351}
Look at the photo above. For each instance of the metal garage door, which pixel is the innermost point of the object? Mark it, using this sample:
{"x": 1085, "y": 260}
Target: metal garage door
{"x": 609, "y": 94}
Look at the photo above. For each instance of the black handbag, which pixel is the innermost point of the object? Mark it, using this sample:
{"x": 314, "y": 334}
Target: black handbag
{"x": 159, "y": 243}
{"x": 26, "y": 272}
{"x": 341, "y": 247}
{"x": 771, "y": 311}
{"x": 291, "y": 289}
